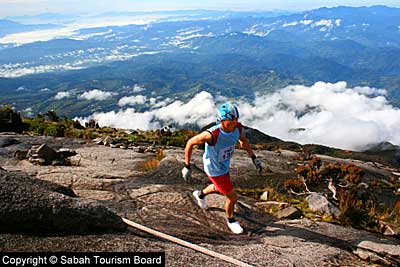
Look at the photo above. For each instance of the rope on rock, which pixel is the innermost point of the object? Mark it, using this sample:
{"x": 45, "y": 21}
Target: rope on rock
{"x": 186, "y": 244}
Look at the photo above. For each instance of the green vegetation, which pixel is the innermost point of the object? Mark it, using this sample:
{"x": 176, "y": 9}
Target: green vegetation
{"x": 358, "y": 207}
{"x": 10, "y": 121}
{"x": 50, "y": 125}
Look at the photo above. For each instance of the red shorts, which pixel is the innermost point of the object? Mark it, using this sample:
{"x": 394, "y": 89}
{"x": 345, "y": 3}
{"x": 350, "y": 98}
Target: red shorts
{"x": 222, "y": 183}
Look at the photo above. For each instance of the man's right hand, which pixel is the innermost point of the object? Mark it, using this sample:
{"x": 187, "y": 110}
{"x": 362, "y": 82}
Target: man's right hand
{"x": 186, "y": 172}
{"x": 257, "y": 162}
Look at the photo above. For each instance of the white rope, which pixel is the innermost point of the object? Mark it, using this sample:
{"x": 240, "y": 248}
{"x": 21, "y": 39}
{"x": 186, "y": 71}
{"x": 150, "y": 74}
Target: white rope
{"x": 186, "y": 244}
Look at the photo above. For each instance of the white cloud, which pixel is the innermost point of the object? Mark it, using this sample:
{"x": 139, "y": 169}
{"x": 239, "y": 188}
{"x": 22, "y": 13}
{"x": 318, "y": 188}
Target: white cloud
{"x": 163, "y": 103}
{"x": 261, "y": 30}
{"x": 306, "y": 22}
{"x": 39, "y": 35}
{"x": 72, "y": 30}
{"x": 132, "y": 100}
{"x": 126, "y": 119}
{"x": 330, "y": 114}
{"x": 189, "y": 31}
{"x": 61, "y": 95}
{"x": 197, "y": 35}
{"x": 200, "y": 110}
{"x": 28, "y": 112}
{"x": 87, "y": 36}
{"x": 294, "y": 23}
{"x": 324, "y": 22}
{"x": 21, "y": 69}
{"x": 96, "y": 95}
{"x": 137, "y": 88}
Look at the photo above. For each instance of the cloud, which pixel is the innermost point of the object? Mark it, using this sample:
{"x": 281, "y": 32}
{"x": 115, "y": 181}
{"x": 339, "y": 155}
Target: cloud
{"x": 324, "y": 113}
{"x": 328, "y": 114}
{"x": 138, "y": 88}
{"x": 28, "y": 112}
{"x": 132, "y": 100}
{"x": 198, "y": 111}
{"x": 71, "y": 30}
{"x": 61, "y": 95}
{"x": 294, "y": 23}
{"x": 76, "y": 60}
{"x": 96, "y": 95}
{"x": 38, "y": 35}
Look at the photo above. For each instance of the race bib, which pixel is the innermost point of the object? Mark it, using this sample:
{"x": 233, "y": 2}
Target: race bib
{"x": 226, "y": 153}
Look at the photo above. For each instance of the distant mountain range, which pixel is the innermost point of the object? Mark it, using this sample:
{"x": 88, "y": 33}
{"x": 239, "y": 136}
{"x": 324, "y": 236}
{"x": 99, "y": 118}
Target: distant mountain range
{"x": 182, "y": 53}
{"x": 10, "y": 27}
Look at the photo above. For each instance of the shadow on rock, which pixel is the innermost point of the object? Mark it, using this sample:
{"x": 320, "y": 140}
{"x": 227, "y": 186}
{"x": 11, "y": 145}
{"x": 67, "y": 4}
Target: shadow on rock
{"x": 32, "y": 206}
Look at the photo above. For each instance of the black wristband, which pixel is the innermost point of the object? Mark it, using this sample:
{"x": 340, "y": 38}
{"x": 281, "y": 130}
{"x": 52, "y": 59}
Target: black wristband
{"x": 253, "y": 157}
{"x": 187, "y": 166}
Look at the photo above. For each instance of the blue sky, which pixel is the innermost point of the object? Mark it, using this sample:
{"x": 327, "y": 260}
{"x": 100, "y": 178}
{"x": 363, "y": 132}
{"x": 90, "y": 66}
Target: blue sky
{"x": 32, "y": 7}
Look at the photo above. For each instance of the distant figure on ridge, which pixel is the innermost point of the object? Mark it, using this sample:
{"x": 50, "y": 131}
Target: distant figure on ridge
{"x": 220, "y": 141}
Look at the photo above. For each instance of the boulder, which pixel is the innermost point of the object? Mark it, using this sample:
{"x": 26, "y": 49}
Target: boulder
{"x": 8, "y": 141}
{"x": 289, "y": 213}
{"x": 272, "y": 205}
{"x": 34, "y": 206}
{"x": 98, "y": 141}
{"x": 264, "y": 196}
{"x": 107, "y": 140}
{"x": 389, "y": 228}
{"x": 319, "y": 203}
{"x": 43, "y": 155}
{"x": 47, "y": 153}
{"x": 379, "y": 251}
{"x": 66, "y": 153}
{"x": 20, "y": 154}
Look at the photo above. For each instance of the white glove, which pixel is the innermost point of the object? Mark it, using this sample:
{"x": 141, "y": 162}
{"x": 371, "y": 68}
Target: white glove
{"x": 186, "y": 173}
{"x": 257, "y": 162}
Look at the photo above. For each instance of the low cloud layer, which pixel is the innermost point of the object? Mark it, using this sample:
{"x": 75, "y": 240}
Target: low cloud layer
{"x": 61, "y": 95}
{"x": 325, "y": 113}
{"x": 132, "y": 100}
{"x": 96, "y": 95}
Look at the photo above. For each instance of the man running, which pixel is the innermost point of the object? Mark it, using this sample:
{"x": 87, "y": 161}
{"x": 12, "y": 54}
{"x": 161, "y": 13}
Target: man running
{"x": 220, "y": 141}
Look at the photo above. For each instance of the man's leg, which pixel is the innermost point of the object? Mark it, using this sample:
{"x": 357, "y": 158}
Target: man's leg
{"x": 233, "y": 224}
{"x": 199, "y": 195}
{"x": 210, "y": 189}
{"x": 231, "y": 199}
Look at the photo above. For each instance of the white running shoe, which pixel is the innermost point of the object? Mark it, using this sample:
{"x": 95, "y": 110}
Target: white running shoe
{"x": 235, "y": 227}
{"x": 201, "y": 202}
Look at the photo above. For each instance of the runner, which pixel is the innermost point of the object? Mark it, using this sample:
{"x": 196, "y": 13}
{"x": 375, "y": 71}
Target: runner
{"x": 220, "y": 141}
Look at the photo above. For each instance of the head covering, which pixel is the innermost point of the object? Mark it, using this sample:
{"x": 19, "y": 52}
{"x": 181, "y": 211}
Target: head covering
{"x": 227, "y": 111}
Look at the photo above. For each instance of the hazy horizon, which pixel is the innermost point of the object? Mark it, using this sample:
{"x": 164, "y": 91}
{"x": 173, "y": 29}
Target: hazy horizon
{"x": 35, "y": 7}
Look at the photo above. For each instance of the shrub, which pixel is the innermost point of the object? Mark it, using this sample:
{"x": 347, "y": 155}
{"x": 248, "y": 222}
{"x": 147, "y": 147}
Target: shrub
{"x": 179, "y": 141}
{"x": 152, "y": 163}
{"x": 351, "y": 173}
{"x": 10, "y": 121}
{"x": 310, "y": 172}
{"x": 331, "y": 171}
{"x": 52, "y": 116}
{"x": 55, "y": 130}
{"x": 148, "y": 165}
{"x": 296, "y": 185}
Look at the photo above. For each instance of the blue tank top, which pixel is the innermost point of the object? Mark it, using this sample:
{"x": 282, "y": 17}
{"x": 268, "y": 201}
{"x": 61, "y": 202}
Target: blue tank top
{"x": 218, "y": 153}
